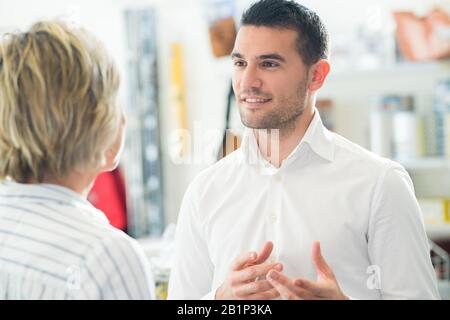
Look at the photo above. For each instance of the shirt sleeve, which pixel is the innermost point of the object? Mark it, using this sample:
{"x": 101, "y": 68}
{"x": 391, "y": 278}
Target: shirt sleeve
{"x": 192, "y": 270}
{"x": 397, "y": 243}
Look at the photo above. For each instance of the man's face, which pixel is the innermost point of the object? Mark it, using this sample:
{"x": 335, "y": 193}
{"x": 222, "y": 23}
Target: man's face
{"x": 270, "y": 80}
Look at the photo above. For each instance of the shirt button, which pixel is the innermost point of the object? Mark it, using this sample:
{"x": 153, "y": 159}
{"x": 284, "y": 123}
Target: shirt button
{"x": 277, "y": 178}
{"x": 273, "y": 218}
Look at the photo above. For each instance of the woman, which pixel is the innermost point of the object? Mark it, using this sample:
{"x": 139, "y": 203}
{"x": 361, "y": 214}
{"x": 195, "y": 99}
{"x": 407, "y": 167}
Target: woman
{"x": 60, "y": 126}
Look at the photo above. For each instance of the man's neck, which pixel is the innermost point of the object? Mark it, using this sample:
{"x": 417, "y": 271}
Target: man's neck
{"x": 277, "y": 144}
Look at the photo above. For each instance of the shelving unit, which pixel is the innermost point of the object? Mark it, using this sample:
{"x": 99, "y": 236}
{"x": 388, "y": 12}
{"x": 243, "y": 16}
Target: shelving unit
{"x": 400, "y": 69}
{"x": 438, "y": 232}
{"x": 428, "y": 163}
{"x": 429, "y": 175}
{"x": 402, "y": 78}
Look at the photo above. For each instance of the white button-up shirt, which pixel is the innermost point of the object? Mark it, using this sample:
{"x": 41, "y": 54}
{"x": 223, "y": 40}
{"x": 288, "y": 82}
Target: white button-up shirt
{"x": 361, "y": 208}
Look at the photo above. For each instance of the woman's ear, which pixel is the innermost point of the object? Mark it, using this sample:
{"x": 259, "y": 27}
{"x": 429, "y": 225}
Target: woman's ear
{"x": 111, "y": 157}
{"x": 318, "y": 73}
{"x": 112, "y": 154}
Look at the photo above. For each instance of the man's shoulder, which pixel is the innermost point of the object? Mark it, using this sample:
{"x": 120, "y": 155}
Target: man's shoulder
{"x": 360, "y": 157}
{"x": 220, "y": 171}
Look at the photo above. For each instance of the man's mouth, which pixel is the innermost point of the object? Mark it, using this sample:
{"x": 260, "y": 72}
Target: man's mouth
{"x": 254, "y": 102}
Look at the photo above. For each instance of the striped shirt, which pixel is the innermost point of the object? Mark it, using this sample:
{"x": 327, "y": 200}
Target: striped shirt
{"x": 55, "y": 245}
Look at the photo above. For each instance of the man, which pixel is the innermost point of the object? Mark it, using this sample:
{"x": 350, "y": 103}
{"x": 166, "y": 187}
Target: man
{"x": 333, "y": 220}
{"x": 60, "y": 126}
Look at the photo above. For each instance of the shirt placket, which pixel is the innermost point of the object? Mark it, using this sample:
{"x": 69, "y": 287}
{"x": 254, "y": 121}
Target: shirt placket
{"x": 272, "y": 216}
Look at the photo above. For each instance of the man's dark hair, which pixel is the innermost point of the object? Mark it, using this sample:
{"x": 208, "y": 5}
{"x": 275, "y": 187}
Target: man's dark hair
{"x": 312, "y": 35}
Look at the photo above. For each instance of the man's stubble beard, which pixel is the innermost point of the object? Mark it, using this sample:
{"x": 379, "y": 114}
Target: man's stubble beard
{"x": 283, "y": 116}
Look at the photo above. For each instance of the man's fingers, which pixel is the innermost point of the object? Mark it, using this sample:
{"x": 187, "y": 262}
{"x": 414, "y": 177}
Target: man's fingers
{"x": 242, "y": 260}
{"x": 283, "y": 285}
{"x": 322, "y": 267}
{"x": 252, "y": 258}
{"x": 311, "y": 286}
{"x": 252, "y": 272}
{"x": 266, "y": 295}
{"x": 265, "y": 252}
{"x": 287, "y": 289}
{"x": 252, "y": 288}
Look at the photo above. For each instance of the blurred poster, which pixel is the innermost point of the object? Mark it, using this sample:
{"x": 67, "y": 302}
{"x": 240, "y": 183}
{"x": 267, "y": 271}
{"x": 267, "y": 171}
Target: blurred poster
{"x": 142, "y": 163}
{"x": 221, "y": 26}
{"x": 178, "y": 145}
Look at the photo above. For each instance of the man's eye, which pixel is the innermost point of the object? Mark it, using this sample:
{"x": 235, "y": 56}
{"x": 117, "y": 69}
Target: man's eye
{"x": 269, "y": 64}
{"x": 239, "y": 63}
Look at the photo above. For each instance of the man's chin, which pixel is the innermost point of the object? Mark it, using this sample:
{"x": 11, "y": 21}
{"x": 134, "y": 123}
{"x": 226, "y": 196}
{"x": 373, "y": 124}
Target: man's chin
{"x": 251, "y": 124}
{"x": 256, "y": 125}
{"x": 259, "y": 119}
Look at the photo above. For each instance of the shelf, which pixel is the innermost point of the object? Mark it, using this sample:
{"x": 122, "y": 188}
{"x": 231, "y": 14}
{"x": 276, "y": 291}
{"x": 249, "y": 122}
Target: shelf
{"x": 431, "y": 163}
{"x": 404, "y": 68}
{"x": 351, "y": 87}
{"x": 438, "y": 232}
{"x": 152, "y": 246}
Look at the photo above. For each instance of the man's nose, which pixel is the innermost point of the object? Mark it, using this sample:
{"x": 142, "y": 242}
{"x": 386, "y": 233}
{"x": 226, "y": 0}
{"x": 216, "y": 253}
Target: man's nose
{"x": 250, "y": 78}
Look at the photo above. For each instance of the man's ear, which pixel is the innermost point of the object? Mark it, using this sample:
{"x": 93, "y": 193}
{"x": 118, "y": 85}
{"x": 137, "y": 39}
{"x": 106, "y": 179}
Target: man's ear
{"x": 318, "y": 73}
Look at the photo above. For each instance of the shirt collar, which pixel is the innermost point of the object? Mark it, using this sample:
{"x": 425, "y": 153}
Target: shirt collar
{"x": 11, "y": 191}
{"x": 317, "y": 137}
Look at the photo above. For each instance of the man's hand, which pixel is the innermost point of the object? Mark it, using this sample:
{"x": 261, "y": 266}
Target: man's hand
{"x": 325, "y": 288}
{"x": 246, "y": 278}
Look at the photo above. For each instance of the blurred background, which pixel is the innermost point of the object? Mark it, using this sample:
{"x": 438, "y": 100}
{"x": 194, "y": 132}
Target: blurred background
{"x": 389, "y": 91}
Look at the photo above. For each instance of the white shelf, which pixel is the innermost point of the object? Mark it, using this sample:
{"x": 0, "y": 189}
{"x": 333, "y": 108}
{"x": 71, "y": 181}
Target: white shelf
{"x": 403, "y": 68}
{"x": 350, "y": 87}
{"x": 438, "y": 232}
{"x": 152, "y": 246}
{"x": 431, "y": 163}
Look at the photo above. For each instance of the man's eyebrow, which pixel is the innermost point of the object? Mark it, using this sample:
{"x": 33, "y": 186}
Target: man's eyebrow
{"x": 273, "y": 56}
{"x": 237, "y": 55}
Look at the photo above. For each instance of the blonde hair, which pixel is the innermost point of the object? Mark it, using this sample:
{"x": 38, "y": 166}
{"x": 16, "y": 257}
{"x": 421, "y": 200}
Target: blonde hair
{"x": 57, "y": 102}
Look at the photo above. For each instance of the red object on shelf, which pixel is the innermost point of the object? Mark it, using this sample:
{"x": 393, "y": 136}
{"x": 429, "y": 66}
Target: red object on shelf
{"x": 108, "y": 195}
